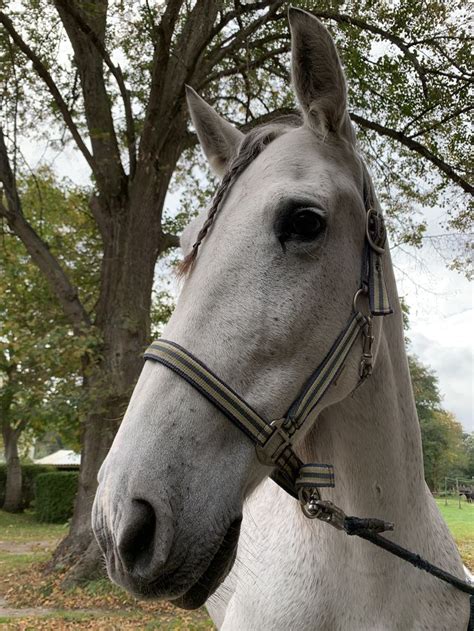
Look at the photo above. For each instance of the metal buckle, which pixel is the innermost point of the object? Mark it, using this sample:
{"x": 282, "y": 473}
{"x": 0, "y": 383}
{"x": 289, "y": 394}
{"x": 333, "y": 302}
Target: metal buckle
{"x": 374, "y": 217}
{"x": 368, "y": 338}
{"x": 309, "y": 499}
{"x": 265, "y": 453}
{"x": 362, "y": 291}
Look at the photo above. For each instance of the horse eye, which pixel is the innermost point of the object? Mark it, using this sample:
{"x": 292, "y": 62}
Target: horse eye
{"x": 304, "y": 224}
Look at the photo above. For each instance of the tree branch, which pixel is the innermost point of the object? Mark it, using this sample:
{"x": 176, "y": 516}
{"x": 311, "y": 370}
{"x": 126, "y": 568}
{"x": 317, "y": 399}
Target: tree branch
{"x": 159, "y": 72}
{"x": 444, "y": 54}
{"x": 221, "y": 52}
{"x": 245, "y": 65}
{"x": 445, "y": 119}
{"x": 39, "y": 251}
{"x": 241, "y": 9}
{"x": 43, "y": 73}
{"x": 21, "y": 425}
{"x": 116, "y": 71}
{"x": 169, "y": 241}
{"x": 417, "y": 147}
{"x": 429, "y": 109}
{"x": 97, "y": 105}
{"x": 171, "y": 69}
{"x": 342, "y": 18}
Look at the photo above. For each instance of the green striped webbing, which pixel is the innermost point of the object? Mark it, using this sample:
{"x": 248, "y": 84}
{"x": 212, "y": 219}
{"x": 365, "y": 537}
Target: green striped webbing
{"x": 212, "y": 387}
{"x": 372, "y": 269}
{"x": 273, "y": 440}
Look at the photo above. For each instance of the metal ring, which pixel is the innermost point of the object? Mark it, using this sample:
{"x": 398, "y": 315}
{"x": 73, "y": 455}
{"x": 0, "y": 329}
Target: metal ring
{"x": 362, "y": 291}
{"x": 377, "y": 248}
{"x": 310, "y": 514}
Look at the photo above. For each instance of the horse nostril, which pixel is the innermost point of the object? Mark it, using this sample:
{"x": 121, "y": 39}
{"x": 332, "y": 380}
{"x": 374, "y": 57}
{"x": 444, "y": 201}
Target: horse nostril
{"x": 136, "y": 539}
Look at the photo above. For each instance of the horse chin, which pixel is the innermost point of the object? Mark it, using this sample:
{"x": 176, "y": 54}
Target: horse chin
{"x": 217, "y": 570}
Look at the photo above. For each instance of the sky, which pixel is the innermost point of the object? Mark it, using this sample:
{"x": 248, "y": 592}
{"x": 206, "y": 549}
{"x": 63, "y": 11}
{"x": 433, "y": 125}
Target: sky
{"x": 441, "y": 301}
{"x": 441, "y": 326}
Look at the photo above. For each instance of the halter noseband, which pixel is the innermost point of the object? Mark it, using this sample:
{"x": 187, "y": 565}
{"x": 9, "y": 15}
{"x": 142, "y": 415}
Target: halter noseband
{"x": 274, "y": 440}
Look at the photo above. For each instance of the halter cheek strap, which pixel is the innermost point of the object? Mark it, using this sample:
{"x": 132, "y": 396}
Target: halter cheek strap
{"x": 372, "y": 269}
{"x": 274, "y": 440}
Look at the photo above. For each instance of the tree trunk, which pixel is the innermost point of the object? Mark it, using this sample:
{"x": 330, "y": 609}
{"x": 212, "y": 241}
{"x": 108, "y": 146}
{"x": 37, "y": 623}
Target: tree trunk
{"x": 131, "y": 247}
{"x": 108, "y": 391}
{"x": 13, "y": 500}
{"x": 78, "y": 551}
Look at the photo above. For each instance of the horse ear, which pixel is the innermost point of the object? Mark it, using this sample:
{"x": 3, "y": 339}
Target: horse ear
{"x": 219, "y": 139}
{"x": 318, "y": 78}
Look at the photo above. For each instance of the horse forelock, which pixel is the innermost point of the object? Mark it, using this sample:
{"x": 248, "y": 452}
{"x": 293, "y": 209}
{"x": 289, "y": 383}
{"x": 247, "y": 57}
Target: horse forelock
{"x": 252, "y": 145}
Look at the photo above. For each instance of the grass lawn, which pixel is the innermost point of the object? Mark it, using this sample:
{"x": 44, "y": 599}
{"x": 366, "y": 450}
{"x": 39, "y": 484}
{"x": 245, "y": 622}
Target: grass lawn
{"x": 461, "y": 524}
{"x": 31, "y": 600}
{"x": 24, "y": 541}
{"x": 25, "y": 545}
{"x": 23, "y": 528}
{"x": 459, "y": 520}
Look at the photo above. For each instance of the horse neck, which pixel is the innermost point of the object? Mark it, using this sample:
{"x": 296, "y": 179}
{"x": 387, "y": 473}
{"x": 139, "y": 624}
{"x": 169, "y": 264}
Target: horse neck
{"x": 373, "y": 438}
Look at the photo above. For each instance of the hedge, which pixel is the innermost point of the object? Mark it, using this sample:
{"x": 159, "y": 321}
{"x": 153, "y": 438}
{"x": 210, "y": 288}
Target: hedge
{"x": 29, "y": 474}
{"x": 55, "y": 493}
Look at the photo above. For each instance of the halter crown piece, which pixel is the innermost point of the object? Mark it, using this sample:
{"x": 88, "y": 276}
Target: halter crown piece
{"x": 274, "y": 439}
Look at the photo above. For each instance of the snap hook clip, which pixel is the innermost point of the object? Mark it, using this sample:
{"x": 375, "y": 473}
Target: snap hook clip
{"x": 367, "y": 361}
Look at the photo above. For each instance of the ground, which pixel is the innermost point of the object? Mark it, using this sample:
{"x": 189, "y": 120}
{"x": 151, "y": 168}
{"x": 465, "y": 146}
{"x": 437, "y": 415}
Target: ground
{"x": 461, "y": 524}
{"x": 29, "y": 600}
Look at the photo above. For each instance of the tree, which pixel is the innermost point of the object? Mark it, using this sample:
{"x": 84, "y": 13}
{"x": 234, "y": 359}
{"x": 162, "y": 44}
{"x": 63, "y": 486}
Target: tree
{"x": 425, "y": 388}
{"x": 40, "y": 359}
{"x": 129, "y": 123}
{"x": 443, "y": 449}
{"x": 442, "y": 436}
{"x": 468, "y": 444}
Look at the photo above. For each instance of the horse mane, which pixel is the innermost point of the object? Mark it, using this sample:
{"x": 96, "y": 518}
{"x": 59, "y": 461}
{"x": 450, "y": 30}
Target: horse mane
{"x": 252, "y": 145}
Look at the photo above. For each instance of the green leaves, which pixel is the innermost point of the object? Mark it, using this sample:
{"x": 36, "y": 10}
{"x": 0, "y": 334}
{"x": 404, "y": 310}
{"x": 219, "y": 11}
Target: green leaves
{"x": 445, "y": 449}
{"x": 40, "y": 357}
{"x": 407, "y": 63}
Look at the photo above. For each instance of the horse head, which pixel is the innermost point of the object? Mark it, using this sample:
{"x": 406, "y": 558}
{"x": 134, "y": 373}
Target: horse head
{"x": 271, "y": 271}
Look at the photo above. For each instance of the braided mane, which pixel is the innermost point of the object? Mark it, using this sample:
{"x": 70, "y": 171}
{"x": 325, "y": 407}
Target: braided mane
{"x": 252, "y": 145}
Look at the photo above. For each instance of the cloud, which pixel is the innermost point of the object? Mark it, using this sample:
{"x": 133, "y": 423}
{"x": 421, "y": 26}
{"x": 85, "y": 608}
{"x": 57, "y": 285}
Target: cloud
{"x": 441, "y": 325}
{"x": 454, "y": 367}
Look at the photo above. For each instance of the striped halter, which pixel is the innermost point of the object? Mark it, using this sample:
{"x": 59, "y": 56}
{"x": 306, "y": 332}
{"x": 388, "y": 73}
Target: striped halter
{"x": 274, "y": 439}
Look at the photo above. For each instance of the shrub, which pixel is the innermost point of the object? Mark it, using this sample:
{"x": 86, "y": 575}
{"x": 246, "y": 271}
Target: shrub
{"x": 29, "y": 473}
{"x": 55, "y": 493}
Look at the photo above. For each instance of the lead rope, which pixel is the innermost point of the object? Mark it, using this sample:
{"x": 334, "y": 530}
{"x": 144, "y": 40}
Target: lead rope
{"x": 315, "y": 508}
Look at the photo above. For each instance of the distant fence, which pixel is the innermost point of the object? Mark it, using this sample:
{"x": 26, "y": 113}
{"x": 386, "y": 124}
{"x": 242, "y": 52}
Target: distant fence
{"x": 453, "y": 490}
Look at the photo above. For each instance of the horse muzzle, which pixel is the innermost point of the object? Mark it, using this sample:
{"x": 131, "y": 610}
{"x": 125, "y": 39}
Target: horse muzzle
{"x": 145, "y": 556}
